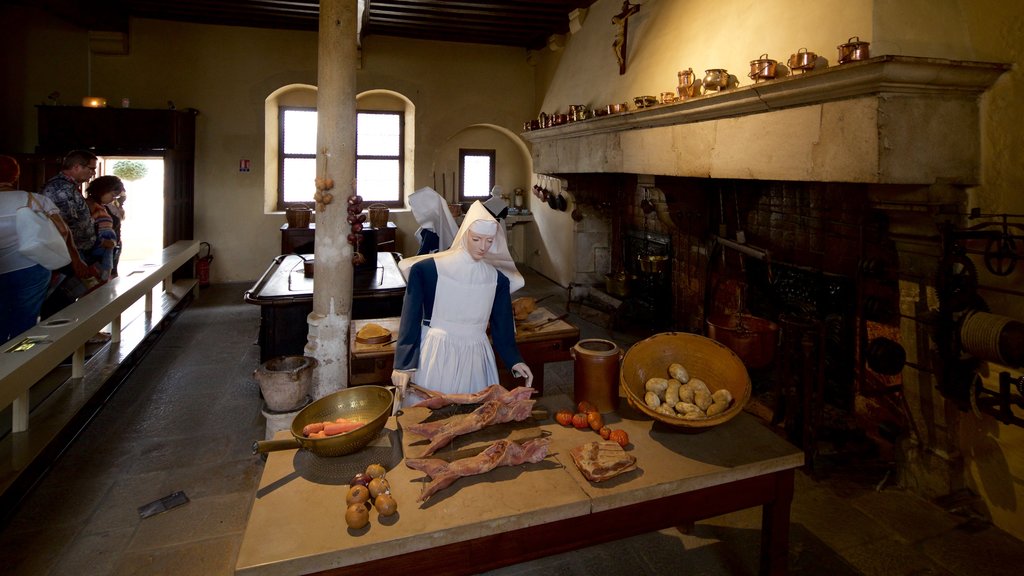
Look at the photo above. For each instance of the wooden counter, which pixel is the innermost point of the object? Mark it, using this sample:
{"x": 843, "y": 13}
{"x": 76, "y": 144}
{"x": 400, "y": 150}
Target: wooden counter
{"x": 516, "y": 513}
{"x": 540, "y": 339}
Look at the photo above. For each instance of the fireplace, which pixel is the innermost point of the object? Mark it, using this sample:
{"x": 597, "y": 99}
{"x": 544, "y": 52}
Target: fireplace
{"x": 814, "y": 201}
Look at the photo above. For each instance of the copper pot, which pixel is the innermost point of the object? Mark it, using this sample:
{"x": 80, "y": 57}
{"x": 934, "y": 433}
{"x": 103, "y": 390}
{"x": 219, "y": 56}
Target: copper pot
{"x": 762, "y": 69}
{"x": 753, "y": 339}
{"x": 853, "y": 51}
{"x": 617, "y": 283}
{"x": 652, "y": 263}
{"x": 802, "y": 60}
{"x": 715, "y": 79}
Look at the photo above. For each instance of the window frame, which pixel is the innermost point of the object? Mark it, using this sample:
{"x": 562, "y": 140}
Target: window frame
{"x": 400, "y": 157}
{"x": 282, "y": 156}
{"x": 491, "y": 153}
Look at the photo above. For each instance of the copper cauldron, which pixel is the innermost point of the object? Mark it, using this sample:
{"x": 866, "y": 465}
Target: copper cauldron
{"x": 853, "y": 51}
{"x": 762, "y": 69}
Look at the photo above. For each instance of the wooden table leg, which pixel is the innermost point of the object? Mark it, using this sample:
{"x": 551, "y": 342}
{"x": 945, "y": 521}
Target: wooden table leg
{"x": 775, "y": 527}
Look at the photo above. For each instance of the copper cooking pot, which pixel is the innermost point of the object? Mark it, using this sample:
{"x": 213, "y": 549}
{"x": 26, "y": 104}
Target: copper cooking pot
{"x": 762, "y": 69}
{"x": 802, "y": 60}
{"x": 753, "y": 339}
{"x": 617, "y": 283}
{"x": 715, "y": 79}
{"x": 652, "y": 263}
{"x": 853, "y": 51}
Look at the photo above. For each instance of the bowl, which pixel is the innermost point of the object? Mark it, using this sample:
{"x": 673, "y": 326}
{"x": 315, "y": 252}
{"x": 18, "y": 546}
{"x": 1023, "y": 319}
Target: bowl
{"x": 369, "y": 404}
{"x": 714, "y": 363}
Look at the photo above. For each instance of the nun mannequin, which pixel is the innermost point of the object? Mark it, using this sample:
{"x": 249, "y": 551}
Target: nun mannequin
{"x": 437, "y": 227}
{"x": 451, "y": 298}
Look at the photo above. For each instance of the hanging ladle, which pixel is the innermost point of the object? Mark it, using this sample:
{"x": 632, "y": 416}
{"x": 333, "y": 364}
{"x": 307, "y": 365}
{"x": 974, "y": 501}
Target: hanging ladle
{"x": 646, "y": 206}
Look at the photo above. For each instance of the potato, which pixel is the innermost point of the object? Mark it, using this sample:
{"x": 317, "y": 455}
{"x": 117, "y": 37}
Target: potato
{"x": 672, "y": 392}
{"x": 679, "y": 373}
{"x": 722, "y": 396}
{"x": 666, "y": 410}
{"x": 686, "y": 393}
{"x": 652, "y": 400}
{"x": 698, "y": 384}
{"x": 703, "y": 399}
{"x": 717, "y": 408}
{"x": 688, "y": 408}
{"x": 656, "y": 385}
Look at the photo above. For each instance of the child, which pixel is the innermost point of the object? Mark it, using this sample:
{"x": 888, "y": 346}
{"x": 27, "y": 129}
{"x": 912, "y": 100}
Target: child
{"x": 101, "y": 192}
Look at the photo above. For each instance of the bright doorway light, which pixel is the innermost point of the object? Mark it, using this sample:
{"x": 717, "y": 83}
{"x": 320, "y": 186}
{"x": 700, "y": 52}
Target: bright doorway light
{"x": 142, "y": 230}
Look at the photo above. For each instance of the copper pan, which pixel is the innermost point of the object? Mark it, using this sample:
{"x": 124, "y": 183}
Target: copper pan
{"x": 369, "y": 404}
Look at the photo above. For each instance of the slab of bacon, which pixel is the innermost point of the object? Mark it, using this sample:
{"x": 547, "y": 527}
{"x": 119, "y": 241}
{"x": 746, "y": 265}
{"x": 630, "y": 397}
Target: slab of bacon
{"x": 502, "y": 453}
{"x": 441, "y": 432}
{"x": 493, "y": 392}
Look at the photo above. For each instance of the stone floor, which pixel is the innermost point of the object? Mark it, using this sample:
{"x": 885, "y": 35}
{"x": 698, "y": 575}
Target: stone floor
{"x": 187, "y": 416}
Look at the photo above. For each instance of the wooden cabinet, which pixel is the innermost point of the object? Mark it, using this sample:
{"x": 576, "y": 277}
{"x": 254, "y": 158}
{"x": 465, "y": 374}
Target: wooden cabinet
{"x": 303, "y": 240}
{"x": 108, "y": 131}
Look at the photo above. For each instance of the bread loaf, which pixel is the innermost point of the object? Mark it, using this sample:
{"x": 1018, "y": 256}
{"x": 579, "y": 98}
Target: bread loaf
{"x": 373, "y": 332}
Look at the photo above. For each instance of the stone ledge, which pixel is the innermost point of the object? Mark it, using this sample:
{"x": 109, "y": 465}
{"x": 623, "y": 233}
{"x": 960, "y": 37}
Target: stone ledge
{"x": 880, "y": 75}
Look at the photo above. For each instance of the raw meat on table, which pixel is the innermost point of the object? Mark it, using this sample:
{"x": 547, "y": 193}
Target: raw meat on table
{"x": 501, "y": 453}
{"x": 492, "y": 392}
{"x": 442, "y": 432}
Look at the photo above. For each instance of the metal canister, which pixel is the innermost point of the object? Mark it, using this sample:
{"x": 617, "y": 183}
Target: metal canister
{"x": 596, "y": 373}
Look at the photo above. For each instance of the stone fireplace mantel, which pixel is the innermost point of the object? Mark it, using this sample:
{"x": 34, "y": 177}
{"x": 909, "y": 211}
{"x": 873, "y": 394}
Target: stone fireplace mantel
{"x": 887, "y": 120}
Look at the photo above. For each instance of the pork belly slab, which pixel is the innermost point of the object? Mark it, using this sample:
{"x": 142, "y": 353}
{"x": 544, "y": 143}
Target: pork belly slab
{"x": 501, "y": 453}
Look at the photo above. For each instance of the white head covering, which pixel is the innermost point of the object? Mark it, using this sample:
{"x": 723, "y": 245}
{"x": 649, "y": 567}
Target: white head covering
{"x": 432, "y": 213}
{"x": 498, "y": 255}
{"x": 496, "y": 205}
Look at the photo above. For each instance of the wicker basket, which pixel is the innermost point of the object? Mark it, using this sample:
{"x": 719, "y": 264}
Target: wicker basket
{"x": 378, "y": 215}
{"x": 298, "y": 216}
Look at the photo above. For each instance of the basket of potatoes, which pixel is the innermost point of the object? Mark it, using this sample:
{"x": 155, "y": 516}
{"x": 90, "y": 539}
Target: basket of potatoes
{"x": 687, "y": 381}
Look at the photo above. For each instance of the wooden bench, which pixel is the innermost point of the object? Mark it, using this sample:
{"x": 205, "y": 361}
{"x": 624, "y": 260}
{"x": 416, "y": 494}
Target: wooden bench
{"x": 62, "y": 402}
{"x": 68, "y": 331}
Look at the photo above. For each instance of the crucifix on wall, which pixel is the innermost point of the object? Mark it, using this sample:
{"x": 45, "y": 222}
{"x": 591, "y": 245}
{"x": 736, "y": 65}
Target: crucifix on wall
{"x": 621, "y": 23}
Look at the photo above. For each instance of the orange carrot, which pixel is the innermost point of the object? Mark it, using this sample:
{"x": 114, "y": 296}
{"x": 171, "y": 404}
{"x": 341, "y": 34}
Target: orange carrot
{"x": 309, "y": 429}
{"x": 338, "y": 428}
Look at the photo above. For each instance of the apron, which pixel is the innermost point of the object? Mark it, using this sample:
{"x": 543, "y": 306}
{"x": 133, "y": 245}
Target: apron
{"x": 455, "y": 353}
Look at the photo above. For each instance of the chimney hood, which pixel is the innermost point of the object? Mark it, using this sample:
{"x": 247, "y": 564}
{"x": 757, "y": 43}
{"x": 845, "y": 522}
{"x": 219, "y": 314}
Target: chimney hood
{"x": 885, "y": 120}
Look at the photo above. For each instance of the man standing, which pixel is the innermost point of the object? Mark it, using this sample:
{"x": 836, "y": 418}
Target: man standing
{"x": 77, "y": 168}
{"x": 65, "y": 189}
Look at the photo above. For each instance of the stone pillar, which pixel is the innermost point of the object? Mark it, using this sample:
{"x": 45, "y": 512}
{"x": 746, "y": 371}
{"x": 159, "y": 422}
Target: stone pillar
{"x": 336, "y": 152}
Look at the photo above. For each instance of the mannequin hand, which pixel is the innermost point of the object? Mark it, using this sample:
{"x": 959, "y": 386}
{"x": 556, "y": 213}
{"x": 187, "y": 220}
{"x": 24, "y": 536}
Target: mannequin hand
{"x": 400, "y": 378}
{"x": 521, "y": 370}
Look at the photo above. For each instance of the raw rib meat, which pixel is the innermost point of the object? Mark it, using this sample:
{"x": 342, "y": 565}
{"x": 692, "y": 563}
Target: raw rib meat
{"x": 442, "y": 432}
{"x": 492, "y": 392}
{"x": 502, "y": 453}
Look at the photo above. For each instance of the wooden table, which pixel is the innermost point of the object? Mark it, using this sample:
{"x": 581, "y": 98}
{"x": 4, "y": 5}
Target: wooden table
{"x": 517, "y": 513}
{"x": 551, "y": 341}
{"x": 285, "y": 297}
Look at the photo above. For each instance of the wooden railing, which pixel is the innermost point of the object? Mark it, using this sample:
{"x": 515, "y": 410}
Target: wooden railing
{"x": 67, "y": 332}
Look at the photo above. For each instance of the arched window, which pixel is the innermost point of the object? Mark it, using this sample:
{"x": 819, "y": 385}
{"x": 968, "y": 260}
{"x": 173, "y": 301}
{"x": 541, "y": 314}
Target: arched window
{"x": 384, "y": 137}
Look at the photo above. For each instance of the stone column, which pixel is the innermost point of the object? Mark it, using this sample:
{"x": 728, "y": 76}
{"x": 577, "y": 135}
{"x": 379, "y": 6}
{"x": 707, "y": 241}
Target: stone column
{"x": 336, "y": 142}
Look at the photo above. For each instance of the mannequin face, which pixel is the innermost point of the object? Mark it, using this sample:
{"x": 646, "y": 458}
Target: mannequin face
{"x": 478, "y": 244}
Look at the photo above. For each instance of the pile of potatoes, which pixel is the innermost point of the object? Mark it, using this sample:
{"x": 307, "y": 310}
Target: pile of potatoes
{"x": 684, "y": 397}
